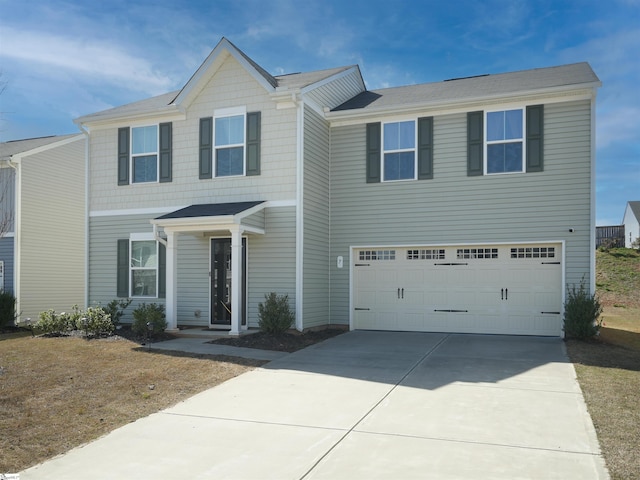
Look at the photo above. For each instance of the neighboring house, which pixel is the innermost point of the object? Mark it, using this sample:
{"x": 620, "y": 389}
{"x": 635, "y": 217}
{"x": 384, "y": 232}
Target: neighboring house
{"x": 631, "y": 222}
{"x": 458, "y": 206}
{"x": 43, "y": 253}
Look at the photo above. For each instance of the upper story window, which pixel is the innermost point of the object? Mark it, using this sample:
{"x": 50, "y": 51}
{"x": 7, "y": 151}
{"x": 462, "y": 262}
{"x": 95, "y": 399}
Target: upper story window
{"x": 229, "y": 145}
{"x": 144, "y": 154}
{"x": 504, "y": 141}
{"x": 399, "y": 151}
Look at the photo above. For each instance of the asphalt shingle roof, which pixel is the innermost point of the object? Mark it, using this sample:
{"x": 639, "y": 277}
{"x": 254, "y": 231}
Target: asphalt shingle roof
{"x": 210, "y": 210}
{"x": 473, "y": 87}
{"x": 13, "y": 147}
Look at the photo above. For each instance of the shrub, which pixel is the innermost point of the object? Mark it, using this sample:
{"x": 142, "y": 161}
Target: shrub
{"x": 636, "y": 244}
{"x": 7, "y": 309}
{"x": 115, "y": 308}
{"x": 95, "y": 321}
{"x": 274, "y": 314}
{"x": 581, "y": 313}
{"x": 54, "y": 323}
{"x": 148, "y": 319}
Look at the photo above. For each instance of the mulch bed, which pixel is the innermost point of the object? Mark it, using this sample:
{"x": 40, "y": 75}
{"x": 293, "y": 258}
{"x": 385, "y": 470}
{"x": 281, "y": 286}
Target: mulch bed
{"x": 282, "y": 342}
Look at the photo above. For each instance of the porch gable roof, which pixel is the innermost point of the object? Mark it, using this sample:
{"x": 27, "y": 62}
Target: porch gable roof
{"x": 208, "y": 215}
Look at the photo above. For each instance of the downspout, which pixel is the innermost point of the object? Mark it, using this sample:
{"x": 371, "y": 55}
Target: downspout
{"x": 86, "y": 214}
{"x": 299, "y": 214}
{"x": 592, "y": 225}
{"x": 16, "y": 234}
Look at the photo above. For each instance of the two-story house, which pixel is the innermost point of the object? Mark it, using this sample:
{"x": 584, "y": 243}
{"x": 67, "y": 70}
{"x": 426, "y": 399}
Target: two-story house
{"x": 43, "y": 241}
{"x": 460, "y": 206}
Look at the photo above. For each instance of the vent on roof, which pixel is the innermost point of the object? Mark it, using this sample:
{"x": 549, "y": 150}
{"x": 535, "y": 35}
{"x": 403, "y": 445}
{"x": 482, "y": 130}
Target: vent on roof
{"x": 464, "y": 78}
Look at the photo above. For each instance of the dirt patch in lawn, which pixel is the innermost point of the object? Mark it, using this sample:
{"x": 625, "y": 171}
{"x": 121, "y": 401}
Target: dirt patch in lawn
{"x": 282, "y": 342}
{"x": 59, "y": 393}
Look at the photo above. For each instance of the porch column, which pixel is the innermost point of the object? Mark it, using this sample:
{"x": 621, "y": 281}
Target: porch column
{"x": 171, "y": 308}
{"x": 236, "y": 279}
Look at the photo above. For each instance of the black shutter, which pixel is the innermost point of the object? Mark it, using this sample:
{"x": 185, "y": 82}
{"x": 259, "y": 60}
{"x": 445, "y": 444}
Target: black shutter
{"x": 123, "y": 268}
{"x": 253, "y": 143}
{"x": 162, "y": 271}
{"x": 165, "y": 152}
{"x": 475, "y": 143}
{"x": 206, "y": 147}
{"x": 123, "y": 156}
{"x": 373, "y": 152}
{"x": 425, "y": 148}
{"x": 535, "y": 130}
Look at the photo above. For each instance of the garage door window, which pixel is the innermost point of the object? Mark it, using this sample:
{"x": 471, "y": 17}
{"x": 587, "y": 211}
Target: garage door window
{"x": 377, "y": 255}
{"x": 472, "y": 253}
{"x": 533, "y": 252}
{"x": 428, "y": 254}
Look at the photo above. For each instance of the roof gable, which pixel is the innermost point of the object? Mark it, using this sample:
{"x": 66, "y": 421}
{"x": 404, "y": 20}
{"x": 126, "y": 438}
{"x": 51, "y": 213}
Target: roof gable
{"x": 635, "y": 209}
{"x": 211, "y": 64}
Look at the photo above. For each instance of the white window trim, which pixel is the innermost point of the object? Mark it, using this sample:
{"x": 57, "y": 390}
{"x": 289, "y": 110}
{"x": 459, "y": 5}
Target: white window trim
{"x": 156, "y": 153}
{"x": 498, "y": 142}
{"x": 401, "y": 150}
{"x": 143, "y": 237}
{"x": 223, "y": 113}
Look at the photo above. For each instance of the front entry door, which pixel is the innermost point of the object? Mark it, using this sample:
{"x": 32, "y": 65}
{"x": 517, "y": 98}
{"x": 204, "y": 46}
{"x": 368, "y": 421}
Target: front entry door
{"x": 221, "y": 276}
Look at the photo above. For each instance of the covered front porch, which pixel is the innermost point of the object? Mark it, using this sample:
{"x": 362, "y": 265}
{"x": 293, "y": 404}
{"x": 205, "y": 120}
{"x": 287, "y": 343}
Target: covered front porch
{"x": 227, "y": 224}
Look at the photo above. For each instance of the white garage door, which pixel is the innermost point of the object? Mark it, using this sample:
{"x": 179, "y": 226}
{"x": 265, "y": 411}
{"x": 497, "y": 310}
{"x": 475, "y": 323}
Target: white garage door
{"x": 513, "y": 289}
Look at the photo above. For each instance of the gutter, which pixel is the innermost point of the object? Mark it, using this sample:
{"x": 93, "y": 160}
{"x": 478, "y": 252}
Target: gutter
{"x": 452, "y": 104}
{"x": 87, "y": 164}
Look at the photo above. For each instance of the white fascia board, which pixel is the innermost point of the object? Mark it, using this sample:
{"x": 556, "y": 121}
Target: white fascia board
{"x": 552, "y": 95}
{"x": 171, "y": 113}
{"x": 213, "y": 62}
{"x": 195, "y": 221}
{"x": 251, "y": 211}
{"x": 16, "y": 158}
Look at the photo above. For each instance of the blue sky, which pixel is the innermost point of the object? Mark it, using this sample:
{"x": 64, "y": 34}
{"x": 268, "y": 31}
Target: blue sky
{"x": 63, "y": 59}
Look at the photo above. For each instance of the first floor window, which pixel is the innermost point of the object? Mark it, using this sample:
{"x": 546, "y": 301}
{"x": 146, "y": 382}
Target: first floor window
{"x": 144, "y": 268}
{"x": 144, "y": 154}
{"x": 399, "y": 150}
{"x": 504, "y": 141}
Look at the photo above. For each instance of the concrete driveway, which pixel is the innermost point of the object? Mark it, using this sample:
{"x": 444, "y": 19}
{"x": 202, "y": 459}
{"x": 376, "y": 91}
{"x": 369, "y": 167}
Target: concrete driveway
{"x": 367, "y": 405}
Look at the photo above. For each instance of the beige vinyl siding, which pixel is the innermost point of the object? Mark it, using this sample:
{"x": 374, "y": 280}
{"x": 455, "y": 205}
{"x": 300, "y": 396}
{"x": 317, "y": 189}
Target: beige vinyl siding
{"x": 316, "y": 221}
{"x": 271, "y": 263}
{"x": 231, "y": 86}
{"x": 52, "y": 229}
{"x": 338, "y": 91}
{"x": 456, "y": 209}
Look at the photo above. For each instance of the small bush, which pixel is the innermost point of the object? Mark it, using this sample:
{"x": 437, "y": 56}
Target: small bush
{"x": 52, "y": 323}
{"x": 148, "y": 319}
{"x": 115, "y": 308}
{"x": 7, "y": 309}
{"x": 274, "y": 314}
{"x": 95, "y": 321}
{"x": 581, "y": 313}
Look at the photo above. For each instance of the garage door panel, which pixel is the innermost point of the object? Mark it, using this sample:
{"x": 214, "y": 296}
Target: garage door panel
{"x": 501, "y": 289}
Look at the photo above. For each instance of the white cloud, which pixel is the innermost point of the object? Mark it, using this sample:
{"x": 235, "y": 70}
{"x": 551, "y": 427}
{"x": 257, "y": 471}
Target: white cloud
{"x": 95, "y": 60}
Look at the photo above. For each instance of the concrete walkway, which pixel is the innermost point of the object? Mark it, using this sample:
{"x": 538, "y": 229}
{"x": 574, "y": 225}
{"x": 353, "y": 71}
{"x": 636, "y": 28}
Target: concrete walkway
{"x": 367, "y": 405}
